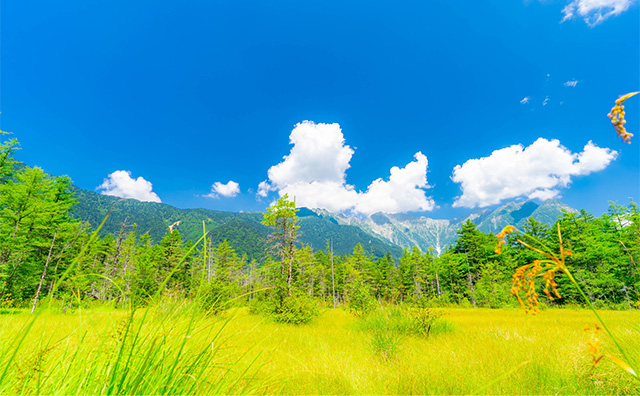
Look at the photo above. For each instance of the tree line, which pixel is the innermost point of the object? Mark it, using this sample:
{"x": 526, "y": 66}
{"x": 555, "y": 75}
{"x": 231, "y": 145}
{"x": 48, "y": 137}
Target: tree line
{"x": 40, "y": 241}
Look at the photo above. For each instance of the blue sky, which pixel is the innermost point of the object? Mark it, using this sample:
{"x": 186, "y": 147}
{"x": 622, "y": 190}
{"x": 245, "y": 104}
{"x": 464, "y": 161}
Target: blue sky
{"x": 196, "y": 103}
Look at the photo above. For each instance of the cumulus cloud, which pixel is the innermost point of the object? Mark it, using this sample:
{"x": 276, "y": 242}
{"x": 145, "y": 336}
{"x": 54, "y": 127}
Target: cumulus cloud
{"x": 571, "y": 83}
{"x": 231, "y": 189}
{"x": 121, "y": 184}
{"x": 595, "y": 12}
{"x": 314, "y": 174}
{"x": 318, "y": 154}
{"x": 537, "y": 171}
{"x": 403, "y": 192}
{"x": 525, "y": 100}
{"x": 335, "y": 197}
{"x": 263, "y": 188}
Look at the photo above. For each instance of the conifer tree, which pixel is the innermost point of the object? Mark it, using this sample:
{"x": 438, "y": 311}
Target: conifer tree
{"x": 282, "y": 216}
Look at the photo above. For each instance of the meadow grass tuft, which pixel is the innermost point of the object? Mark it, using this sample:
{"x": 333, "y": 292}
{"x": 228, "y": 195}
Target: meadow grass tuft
{"x": 175, "y": 350}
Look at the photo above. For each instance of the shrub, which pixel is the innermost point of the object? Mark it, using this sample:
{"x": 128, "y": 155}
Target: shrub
{"x": 361, "y": 302}
{"x": 213, "y": 297}
{"x": 261, "y": 306}
{"x": 296, "y": 309}
{"x": 7, "y": 302}
{"x": 386, "y": 343}
{"x": 424, "y": 319}
{"x": 406, "y": 321}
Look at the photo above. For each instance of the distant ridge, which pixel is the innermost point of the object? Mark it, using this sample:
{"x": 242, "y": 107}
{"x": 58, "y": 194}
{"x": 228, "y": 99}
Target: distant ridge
{"x": 407, "y": 230}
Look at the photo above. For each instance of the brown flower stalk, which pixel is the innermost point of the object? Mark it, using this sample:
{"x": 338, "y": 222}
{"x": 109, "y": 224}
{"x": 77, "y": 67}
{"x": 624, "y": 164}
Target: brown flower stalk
{"x": 617, "y": 118}
{"x": 524, "y": 277}
{"x": 594, "y": 344}
{"x": 503, "y": 234}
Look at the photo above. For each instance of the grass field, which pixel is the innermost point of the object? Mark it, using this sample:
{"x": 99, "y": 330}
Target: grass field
{"x": 475, "y": 351}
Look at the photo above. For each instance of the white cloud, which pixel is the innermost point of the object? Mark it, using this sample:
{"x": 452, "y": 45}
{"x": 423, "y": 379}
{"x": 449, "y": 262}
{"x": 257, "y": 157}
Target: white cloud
{"x": 595, "y": 12}
{"x": 314, "y": 174}
{"x": 571, "y": 83}
{"x": 231, "y": 189}
{"x": 120, "y": 184}
{"x": 525, "y": 100}
{"x": 318, "y": 154}
{"x": 593, "y": 159}
{"x": 537, "y": 171}
{"x": 335, "y": 197}
{"x": 403, "y": 192}
{"x": 263, "y": 188}
{"x": 545, "y": 101}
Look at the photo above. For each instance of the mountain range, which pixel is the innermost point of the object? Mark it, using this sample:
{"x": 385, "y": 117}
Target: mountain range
{"x": 407, "y": 230}
{"x": 378, "y": 233}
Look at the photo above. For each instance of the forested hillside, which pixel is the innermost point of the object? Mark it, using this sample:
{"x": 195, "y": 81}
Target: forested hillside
{"x": 242, "y": 230}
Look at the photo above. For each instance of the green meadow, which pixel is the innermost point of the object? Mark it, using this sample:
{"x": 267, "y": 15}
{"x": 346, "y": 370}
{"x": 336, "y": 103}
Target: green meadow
{"x": 176, "y": 349}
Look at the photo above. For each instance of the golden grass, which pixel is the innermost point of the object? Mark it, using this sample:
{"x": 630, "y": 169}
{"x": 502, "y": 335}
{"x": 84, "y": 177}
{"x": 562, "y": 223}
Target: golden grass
{"x": 489, "y": 352}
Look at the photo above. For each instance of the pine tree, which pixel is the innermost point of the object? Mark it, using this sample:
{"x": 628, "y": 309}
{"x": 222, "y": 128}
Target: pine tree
{"x": 7, "y": 162}
{"x": 282, "y": 216}
{"x": 173, "y": 250}
{"x": 33, "y": 208}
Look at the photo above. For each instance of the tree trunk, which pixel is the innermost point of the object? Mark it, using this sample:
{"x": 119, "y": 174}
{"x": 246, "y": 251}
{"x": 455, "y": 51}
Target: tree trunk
{"x": 470, "y": 281}
{"x": 9, "y": 279}
{"x": 284, "y": 246}
{"x": 44, "y": 273}
{"x": 292, "y": 238}
{"x": 116, "y": 256}
{"x": 333, "y": 281}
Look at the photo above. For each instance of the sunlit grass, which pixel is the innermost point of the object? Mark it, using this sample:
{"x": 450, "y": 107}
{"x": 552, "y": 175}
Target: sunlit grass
{"x": 489, "y": 352}
{"x": 174, "y": 350}
{"x": 483, "y": 352}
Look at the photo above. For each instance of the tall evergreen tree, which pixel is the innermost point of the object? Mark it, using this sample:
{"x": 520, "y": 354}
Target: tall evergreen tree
{"x": 282, "y": 216}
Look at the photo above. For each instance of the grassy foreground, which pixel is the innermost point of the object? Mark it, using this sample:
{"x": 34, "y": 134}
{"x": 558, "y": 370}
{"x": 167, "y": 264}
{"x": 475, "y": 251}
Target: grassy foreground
{"x": 480, "y": 351}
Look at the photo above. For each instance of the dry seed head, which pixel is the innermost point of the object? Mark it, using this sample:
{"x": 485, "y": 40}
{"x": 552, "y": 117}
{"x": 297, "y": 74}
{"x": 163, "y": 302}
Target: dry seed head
{"x": 550, "y": 283}
{"x": 593, "y": 345}
{"x": 594, "y": 350}
{"x": 503, "y": 234}
{"x": 524, "y": 279}
{"x": 505, "y": 231}
{"x": 617, "y": 118}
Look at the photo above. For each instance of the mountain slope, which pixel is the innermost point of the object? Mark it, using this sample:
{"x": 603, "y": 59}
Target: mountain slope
{"x": 407, "y": 230}
{"x": 242, "y": 230}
